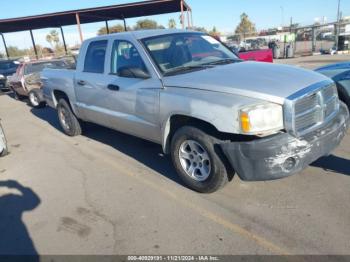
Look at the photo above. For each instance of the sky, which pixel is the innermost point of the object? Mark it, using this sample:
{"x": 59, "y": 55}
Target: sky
{"x": 224, "y": 14}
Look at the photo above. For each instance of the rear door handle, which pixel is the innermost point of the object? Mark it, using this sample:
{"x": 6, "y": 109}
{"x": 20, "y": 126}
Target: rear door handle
{"x": 81, "y": 82}
{"x": 113, "y": 87}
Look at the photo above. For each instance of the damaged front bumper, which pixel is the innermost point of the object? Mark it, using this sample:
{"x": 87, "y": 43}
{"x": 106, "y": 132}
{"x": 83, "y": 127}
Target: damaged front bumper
{"x": 283, "y": 155}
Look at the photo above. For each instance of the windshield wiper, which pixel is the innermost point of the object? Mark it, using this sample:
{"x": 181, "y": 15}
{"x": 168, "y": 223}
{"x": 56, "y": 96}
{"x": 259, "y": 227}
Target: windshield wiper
{"x": 223, "y": 61}
{"x": 183, "y": 69}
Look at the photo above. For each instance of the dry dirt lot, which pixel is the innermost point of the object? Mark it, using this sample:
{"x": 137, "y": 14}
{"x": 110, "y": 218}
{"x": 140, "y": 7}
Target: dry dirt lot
{"x": 313, "y": 62}
{"x": 110, "y": 193}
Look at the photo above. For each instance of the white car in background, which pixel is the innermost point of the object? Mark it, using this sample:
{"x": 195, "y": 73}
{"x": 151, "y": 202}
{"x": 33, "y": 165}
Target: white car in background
{"x": 3, "y": 142}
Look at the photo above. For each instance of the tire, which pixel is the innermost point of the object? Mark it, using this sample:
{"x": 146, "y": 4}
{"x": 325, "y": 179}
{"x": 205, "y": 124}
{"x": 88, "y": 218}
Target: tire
{"x": 192, "y": 142}
{"x": 68, "y": 121}
{"x": 4, "y": 152}
{"x": 343, "y": 95}
{"x": 35, "y": 100}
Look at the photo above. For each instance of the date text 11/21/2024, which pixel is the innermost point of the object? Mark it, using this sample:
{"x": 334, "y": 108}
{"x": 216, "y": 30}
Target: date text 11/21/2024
{"x": 173, "y": 258}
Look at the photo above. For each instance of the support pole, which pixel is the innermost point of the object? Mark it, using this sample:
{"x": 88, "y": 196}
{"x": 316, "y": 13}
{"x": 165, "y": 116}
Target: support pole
{"x": 125, "y": 27}
{"x": 188, "y": 19}
{"x": 192, "y": 24}
{"x": 7, "y": 51}
{"x": 107, "y": 28}
{"x": 313, "y": 39}
{"x": 79, "y": 27}
{"x": 64, "y": 41}
{"x": 182, "y": 14}
{"x": 337, "y": 27}
{"x": 33, "y": 42}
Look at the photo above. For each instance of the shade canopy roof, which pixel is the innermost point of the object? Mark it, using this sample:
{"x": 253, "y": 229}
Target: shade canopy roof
{"x": 90, "y": 15}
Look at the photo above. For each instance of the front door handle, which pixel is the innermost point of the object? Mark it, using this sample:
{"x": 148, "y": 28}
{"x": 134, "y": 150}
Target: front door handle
{"x": 113, "y": 87}
{"x": 81, "y": 82}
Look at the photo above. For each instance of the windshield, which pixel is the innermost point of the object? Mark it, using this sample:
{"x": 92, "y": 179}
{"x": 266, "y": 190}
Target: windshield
{"x": 177, "y": 53}
{"x": 38, "y": 67}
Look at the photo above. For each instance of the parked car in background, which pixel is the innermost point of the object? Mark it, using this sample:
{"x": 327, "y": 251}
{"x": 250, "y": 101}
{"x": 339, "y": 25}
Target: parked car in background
{"x": 258, "y": 55}
{"x": 213, "y": 113}
{"x": 7, "y": 68}
{"x": 330, "y": 51}
{"x": 26, "y": 81}
{"x": 340, "y": 73}
{"x": 3, "y": 142}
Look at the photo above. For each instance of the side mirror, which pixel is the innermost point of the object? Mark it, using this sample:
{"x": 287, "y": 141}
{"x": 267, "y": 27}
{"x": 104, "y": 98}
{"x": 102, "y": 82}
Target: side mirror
{"x": 133, "y": 72}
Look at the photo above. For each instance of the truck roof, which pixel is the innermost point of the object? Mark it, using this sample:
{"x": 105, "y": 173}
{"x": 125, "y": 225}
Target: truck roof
{"x": 157, "y": 32}
{"x": 141, "y": 34}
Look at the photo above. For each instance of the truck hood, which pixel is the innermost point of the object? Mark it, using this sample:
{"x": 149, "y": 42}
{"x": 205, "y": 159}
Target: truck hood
{"x": 264, "y": 81}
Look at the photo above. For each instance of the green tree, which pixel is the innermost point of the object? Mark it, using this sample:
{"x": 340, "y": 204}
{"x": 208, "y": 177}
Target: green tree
{"x": 172, "y": 23}
{"x": 245, "y": 27}
{"x": 234, "y": 38}
{"x": 30, "y": 52}
{"x": 15, "y": 52}
{"x": 53, "y": 39}
{"x": 147, "y": 24}
{"x": 215, "y": 33}
{"x": 199, "y": 29}
{"x": 112, "y": 29}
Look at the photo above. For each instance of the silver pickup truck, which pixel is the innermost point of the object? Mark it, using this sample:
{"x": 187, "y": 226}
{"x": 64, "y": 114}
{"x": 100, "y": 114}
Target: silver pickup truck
{"x": 214, "y": 114}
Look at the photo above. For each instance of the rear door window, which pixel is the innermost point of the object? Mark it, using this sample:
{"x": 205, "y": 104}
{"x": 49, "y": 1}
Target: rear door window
{"x": 95, "y": 57}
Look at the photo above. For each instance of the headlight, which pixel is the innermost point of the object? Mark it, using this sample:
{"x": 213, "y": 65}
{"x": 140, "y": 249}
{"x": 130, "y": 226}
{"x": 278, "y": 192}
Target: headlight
{"x": 2, "y": 76}
{"x": 261, "y": 119}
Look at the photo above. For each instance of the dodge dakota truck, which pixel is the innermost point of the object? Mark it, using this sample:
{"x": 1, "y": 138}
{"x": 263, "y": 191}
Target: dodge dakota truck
{"x": 213, "y": 113}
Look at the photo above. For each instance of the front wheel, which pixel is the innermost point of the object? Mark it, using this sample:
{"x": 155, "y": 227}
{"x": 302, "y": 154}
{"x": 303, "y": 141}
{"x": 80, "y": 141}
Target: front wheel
{"x": 68, "y": 121}
{"x": 35, "y": 100}
{"x": 197, "y": 161}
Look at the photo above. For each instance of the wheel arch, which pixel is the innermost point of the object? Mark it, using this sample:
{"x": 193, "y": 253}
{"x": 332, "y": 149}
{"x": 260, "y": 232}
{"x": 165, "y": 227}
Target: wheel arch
{"x": 176, "y": 121}
{"x": 59, "y": 94}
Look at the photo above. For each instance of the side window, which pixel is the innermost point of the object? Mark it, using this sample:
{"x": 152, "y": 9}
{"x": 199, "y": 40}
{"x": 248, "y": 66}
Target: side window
{"x": 126, "y": 57}
{"x": 95, "y": 57}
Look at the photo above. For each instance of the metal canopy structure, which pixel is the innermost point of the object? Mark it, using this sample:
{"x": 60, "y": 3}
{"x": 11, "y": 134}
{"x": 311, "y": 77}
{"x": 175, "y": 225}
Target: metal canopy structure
{"x": 91, "y": 15}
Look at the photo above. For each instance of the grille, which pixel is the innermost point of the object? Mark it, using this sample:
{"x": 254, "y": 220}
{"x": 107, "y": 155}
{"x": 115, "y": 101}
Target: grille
{"x": 315, "y": 109}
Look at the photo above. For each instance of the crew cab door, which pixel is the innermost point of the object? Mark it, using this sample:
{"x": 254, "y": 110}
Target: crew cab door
{"x": 124, "y": 102}
{"x": 133, "y": 98}
{"x": 90, "y": 83}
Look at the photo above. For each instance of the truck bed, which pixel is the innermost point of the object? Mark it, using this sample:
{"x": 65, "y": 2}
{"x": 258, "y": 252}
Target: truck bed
{"x": 57, "y": 79}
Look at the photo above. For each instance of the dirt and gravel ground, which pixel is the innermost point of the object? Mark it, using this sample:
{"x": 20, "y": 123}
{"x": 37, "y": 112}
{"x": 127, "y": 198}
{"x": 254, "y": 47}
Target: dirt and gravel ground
{"x": 313, "y": 62}
{"x": 110, "y": 193}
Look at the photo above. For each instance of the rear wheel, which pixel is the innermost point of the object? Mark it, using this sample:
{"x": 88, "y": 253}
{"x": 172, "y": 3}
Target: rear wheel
{"x": 196, "y": 160}
{"x": 35, "y": 100}
{"x": 68, "y": 121}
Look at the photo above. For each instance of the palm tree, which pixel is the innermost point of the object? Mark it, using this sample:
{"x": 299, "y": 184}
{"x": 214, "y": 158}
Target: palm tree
{"x": 53, "y": 38}
{"x": 172, "y": 23}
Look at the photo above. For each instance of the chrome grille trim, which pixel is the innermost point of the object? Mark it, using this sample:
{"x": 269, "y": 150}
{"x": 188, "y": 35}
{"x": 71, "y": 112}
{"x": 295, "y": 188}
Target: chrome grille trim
{"x": 311, "y": 108}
